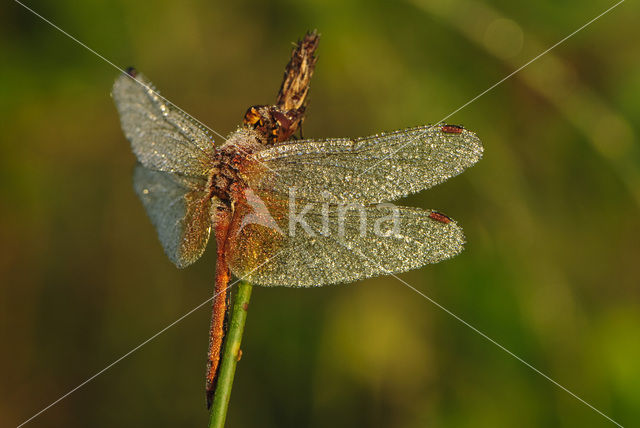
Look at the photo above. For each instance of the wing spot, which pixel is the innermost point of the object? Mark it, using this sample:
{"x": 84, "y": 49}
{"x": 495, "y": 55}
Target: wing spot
{"x": 452, "y": 129}
{"x": 439, "y": 217}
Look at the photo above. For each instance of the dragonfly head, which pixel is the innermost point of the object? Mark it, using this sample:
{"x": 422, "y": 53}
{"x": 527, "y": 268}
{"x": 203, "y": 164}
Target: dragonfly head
{"x": 272, "y": 122}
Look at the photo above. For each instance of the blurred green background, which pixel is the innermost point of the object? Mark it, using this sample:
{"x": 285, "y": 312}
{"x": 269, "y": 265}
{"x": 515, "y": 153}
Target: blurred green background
{"x": 551, "y": 270}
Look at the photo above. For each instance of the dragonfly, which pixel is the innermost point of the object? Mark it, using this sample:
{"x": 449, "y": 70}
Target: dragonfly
{"x": 286, "y": 211}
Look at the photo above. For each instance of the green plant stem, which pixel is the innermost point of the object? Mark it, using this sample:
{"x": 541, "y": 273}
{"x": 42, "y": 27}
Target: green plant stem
{"x": 230, "y": 356}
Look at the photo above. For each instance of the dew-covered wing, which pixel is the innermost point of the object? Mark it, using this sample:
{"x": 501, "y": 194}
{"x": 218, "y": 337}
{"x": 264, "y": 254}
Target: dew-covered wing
{"x": 180, "y": 210}
{"x": 371, "y": 169}
{"x": 325, "y": 244}
{"x": 162, "y": 137}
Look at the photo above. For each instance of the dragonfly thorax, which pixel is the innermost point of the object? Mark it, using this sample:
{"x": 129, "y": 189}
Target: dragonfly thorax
{"x": 224, "y": 177}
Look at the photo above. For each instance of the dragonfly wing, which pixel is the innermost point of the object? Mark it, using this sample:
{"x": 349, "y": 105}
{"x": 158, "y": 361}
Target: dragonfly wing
{"x": 372, "y": 169}
{"x": 162, "y": 137}
{"x": 180, "y": 210}
{"x": 328, "y": 244}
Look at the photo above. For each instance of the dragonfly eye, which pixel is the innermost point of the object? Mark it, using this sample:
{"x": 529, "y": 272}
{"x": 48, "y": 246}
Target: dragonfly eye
{"x": 282, "y": 119}
{"x": 252, "y": 116}
{"x": 131, "y": 71}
